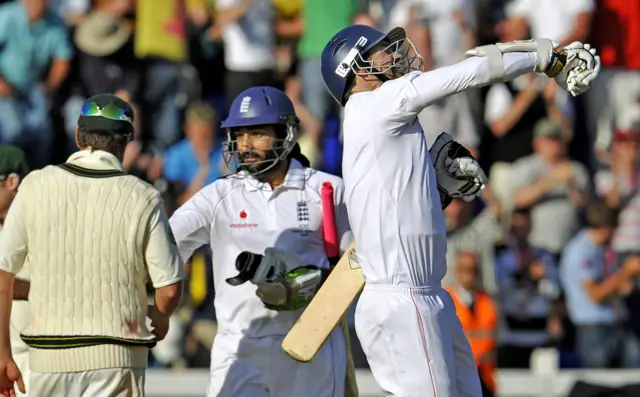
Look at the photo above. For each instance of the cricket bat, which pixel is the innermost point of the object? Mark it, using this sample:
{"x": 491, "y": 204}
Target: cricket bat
{"x": 332, "y": 248}
{"x": 326, "y": 309}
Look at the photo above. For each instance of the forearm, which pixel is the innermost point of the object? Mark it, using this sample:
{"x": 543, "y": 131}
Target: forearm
{"x": 515, "y": 112}
{"x": 232, "y": 14}
{"x": 21, "y": 289}
{"x": 6, "y": 294}
{"x": 601, "y": 292}
{"x": 531, "y": 194}
{"x": 577, "y": 196}
{"x": 580, "y": 31}
{"x": 196, "y": 184}
{"x": 57, "y": 75}
{"x": 470, "y": 73}
{"x": 167, "y": 299}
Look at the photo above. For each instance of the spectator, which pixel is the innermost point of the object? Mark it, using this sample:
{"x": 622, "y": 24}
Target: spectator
{"x": 479, "y": 317}
{"x": 161, "y": 42}
{"x": 478, "y": 235}
{"x": 616, "y": 34}
{"x": 563, "y": 21}
{"x": 553, "y": 186}
{"x": 247, "y": 30}
{"x": 106, "y": 59}
{"x": 528, "y": 284}
{"x": 196, "y": 160}
{"x": 321, "y": 20}
{"x": 619, "y": 185}
{"x": 592, "y": 285}
{"x": 32, "y": 41}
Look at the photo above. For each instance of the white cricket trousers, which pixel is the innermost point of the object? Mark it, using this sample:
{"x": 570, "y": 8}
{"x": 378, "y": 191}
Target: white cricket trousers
{"x": 111, "y": 382}
{"x": 414, "y": 342}
{"x": 258, "y": 367}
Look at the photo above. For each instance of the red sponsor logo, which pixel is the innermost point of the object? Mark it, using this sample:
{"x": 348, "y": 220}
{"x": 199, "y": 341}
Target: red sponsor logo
{"x": 244, "y": 224}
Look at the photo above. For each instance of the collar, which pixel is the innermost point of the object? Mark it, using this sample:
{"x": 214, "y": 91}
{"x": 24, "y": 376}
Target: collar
{"x": 295, "y": 178}
{"x": 95, "y": 160}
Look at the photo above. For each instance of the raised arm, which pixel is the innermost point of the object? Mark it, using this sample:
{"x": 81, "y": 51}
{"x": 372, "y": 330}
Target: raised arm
{"x": 469, "y": 73}
{"x": 573, "y": 67}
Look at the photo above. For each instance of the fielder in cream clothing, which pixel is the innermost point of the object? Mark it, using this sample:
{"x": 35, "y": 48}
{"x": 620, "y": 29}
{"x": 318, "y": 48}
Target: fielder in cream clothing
{"x": 13, "y": 169}
{"x": 271, "y": 206}
{"x": 406, "y": 322}
{"x": 92, "y": 236}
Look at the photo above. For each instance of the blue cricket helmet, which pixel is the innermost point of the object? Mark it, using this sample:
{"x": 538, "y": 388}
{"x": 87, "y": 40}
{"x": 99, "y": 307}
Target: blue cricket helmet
{"x": 348, "y": 50}
{"x": 261, "y": 106}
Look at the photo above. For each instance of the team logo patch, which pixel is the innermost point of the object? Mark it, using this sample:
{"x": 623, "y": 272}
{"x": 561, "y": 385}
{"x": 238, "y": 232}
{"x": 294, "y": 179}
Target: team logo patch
{"x": 303, "y": 211}
{"x": 244, "y": 105}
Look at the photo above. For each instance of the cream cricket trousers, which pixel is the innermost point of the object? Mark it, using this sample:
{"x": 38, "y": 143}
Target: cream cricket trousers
{"x": 111, "y": 382}
{"x": 258, "y": 367}
{"x": 414, "y": 342}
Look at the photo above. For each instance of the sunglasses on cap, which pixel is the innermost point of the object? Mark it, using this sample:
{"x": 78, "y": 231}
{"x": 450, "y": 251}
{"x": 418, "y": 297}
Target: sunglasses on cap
{"x": 110, "y": 111}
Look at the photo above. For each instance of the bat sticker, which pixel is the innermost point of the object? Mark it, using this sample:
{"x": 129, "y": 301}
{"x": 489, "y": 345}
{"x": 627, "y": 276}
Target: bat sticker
{"x": 353, "y": 260}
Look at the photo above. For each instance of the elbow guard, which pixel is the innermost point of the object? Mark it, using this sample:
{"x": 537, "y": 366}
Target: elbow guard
{"x": 548, "y": 61}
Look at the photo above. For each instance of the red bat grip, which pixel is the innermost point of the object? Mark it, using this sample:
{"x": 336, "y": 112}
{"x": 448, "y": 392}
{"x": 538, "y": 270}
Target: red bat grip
{"x": 330, "y": 231}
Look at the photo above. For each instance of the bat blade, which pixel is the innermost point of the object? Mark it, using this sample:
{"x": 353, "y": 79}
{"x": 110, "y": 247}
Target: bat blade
{"x": 325, "y": 310}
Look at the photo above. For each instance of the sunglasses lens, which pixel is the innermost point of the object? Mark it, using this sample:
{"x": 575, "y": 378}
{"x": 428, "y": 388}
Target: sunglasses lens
{"x": 113, "y": 112}
{"x": 90, "y": 109}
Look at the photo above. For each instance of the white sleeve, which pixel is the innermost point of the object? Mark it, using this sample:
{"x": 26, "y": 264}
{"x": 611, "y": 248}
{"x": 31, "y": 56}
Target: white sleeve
{"x": 519, "y": 9}
{"x": 191, "y": 223}
{"x": 426, "y": 88}
{"x": 497, "y": 103}
{"x": 345, "y": 234}
{"x": 14, "y": 241}
{"x": 222, "y": 4}
{"x": 579, "y": 6}
{"x": 163, "y": 260}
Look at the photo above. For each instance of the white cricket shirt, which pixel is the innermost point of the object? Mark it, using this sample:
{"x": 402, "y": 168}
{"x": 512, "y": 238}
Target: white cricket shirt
{"x": 391, "y": 191}
{"x": 237, "y": 214}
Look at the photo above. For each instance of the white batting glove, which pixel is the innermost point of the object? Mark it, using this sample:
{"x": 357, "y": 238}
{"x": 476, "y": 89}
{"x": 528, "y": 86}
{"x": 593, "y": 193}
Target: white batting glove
{"x": 457, "y": 172}
{"x": 467, "y": 168}
{"x": 581, "y": 67}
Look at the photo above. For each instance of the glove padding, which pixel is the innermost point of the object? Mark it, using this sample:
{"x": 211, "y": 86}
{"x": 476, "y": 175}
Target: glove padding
{"x": 457, "y": 171}
{"x": 581, "y": 67}
{"x": 294, "y": 291}
{"x": 275, "y": 264}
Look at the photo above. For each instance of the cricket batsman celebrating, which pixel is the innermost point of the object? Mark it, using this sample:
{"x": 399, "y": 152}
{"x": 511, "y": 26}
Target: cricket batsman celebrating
{"x": 93, "y": 235}
{"x": 270, "y": 207}
{"x": 395, "y": 193}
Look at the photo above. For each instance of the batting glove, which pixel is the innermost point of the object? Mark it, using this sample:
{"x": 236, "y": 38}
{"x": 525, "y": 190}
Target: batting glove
{"x": 275, "y": 264}
{"x": 574, "y": 67}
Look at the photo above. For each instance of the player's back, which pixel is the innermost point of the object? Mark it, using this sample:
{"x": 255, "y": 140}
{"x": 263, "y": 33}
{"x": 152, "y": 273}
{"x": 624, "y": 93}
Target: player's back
{"x": 391, "y": 190}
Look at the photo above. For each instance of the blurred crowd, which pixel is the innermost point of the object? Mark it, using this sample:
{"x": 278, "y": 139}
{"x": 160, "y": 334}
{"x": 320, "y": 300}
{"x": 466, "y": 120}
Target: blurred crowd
{"x": 550, "y": 257}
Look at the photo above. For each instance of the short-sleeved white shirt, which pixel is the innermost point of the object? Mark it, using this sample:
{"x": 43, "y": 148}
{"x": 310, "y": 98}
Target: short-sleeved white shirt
{"x": 238, "y": 213}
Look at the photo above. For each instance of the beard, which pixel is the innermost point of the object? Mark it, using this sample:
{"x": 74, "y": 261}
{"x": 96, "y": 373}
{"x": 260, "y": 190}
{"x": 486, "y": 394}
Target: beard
{"x": 264, "y": 161}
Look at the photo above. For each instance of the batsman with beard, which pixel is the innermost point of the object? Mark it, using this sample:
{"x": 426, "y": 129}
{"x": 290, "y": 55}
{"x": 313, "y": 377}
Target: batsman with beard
{"x": 271, "y": 206}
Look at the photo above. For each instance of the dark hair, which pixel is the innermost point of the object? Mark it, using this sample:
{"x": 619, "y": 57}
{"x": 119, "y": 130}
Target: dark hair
{"x": 296, "y": 153}
{"x": 524, "y": 211}
{"x": 600, "y": 215}
{"x": 99, "y": 140}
